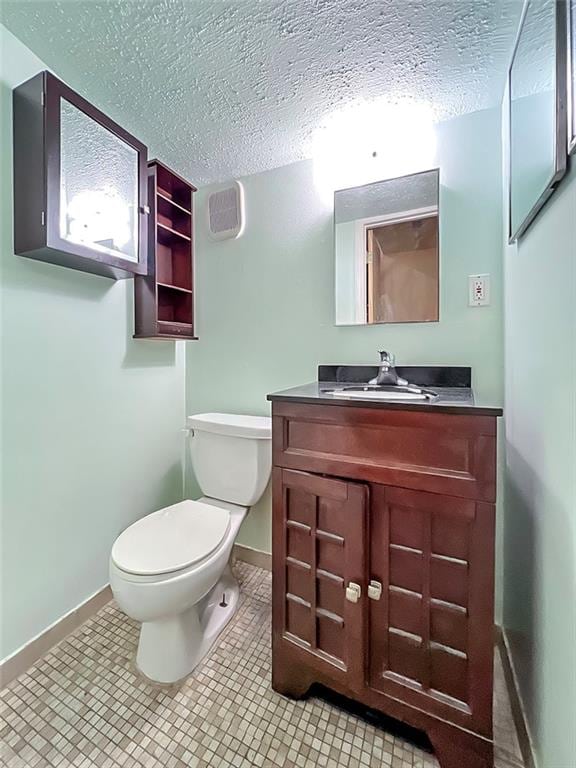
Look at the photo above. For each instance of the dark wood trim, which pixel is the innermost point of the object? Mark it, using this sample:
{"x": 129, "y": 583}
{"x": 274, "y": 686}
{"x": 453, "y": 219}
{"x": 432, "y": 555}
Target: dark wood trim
{"x": 29, "y": 163}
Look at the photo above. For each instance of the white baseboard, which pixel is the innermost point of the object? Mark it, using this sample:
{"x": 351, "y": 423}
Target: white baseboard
{"x": 22, "y": 659}
{"x": 253, "y": 556}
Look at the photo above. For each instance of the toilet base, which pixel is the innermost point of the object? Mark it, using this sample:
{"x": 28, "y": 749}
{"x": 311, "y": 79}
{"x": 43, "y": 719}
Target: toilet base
{"x": 170, "y": 648}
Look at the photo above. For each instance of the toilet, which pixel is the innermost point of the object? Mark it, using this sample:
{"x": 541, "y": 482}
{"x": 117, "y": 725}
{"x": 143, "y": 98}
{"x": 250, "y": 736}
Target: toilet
{"x": 170, "y": 570}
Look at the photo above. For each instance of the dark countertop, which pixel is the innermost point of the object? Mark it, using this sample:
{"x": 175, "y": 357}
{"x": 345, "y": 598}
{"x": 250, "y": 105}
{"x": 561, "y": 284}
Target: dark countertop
{"x": 459, "y": 400}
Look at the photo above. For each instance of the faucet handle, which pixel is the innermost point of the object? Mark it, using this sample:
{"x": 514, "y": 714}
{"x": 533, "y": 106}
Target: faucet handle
{"x": 386, "y": 357}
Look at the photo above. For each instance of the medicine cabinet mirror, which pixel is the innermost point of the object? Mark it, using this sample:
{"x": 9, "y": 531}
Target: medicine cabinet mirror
{"x": 80, "y": 187}
{"x": 537, "y": 88}
{"x": 386, "y": 237}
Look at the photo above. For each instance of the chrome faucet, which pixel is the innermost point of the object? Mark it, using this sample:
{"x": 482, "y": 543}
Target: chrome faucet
{"x": 387, "y": 372}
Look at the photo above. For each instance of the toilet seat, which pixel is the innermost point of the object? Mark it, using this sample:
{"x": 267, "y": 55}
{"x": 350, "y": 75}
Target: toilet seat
{"x": 172, "y": 539}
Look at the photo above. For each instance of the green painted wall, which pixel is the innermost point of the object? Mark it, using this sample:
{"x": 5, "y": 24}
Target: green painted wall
{"x": 91, "y": 418}
{"x": 266, "y": 301}
{"x": 539, "y": 579}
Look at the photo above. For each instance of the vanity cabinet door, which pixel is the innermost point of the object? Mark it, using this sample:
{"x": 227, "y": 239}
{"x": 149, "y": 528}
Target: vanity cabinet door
{"x": 431, "y": 632}
{"x": 319, "y": 552}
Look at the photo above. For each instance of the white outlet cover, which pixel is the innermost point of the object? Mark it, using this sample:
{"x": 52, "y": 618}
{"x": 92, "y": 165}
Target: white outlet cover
{"x": 479, "y": 290}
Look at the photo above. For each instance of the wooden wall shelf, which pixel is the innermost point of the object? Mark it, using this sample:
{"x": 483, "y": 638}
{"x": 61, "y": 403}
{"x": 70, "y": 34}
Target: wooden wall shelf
{"x": 164, "y": 299}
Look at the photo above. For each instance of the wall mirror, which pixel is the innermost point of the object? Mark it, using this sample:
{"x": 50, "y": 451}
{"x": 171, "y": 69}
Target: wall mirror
{"x": 386, "y": 239}
{"x": 99, "y": 193}
{"x": 537, "y": 86}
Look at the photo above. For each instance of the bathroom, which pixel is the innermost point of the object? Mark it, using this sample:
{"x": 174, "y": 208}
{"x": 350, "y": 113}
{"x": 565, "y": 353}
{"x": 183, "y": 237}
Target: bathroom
{"x": 296, "y": 101}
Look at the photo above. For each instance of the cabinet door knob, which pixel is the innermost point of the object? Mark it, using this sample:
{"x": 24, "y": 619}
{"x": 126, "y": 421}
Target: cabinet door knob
{"x": 353, "y": 592}
{"x": 374, "y": 590}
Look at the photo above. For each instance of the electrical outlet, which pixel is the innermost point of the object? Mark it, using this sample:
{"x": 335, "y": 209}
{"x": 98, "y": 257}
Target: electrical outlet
{"x": 479, "y": 290}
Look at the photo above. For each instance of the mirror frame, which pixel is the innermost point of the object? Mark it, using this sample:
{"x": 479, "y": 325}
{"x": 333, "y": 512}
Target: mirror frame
{"x": 571, "y": 74}
{"x": 560, "y": 117}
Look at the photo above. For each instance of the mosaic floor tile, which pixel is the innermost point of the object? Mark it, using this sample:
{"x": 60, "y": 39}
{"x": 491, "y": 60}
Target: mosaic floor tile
{"x": 84, "y": 705}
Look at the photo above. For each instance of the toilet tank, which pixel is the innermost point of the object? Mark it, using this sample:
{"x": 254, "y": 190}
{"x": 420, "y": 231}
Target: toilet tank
{"x": 231, "y": 455}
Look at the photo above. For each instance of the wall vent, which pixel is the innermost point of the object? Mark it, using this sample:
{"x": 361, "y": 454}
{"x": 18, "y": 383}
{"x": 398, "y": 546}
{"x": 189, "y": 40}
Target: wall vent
{"x": 225, "y": 210}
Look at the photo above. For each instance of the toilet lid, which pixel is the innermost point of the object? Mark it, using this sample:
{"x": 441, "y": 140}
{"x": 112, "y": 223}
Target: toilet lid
{"x": 171, "y": 539}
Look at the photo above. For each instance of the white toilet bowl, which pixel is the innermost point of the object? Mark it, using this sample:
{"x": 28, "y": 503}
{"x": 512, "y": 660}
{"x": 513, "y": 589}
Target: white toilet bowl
{"x": 170, "y": 570}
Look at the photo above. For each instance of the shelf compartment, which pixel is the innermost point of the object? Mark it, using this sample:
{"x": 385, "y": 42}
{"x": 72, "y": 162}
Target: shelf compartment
{"x": 166, "y": 234}
{"x": 162, "y": 195}
{"x": 174, "y": 306}
{"x": 174, "y": 264}
{"x": 173, "y": 218}
{"x": 172, "y": 187}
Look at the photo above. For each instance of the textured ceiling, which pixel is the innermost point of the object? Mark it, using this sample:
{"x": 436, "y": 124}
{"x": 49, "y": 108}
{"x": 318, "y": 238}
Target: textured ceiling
{"x": 222, "y": 88}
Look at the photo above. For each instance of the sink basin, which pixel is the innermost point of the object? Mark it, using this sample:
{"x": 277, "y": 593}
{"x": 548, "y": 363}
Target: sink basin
{"x": 374, "y": 392}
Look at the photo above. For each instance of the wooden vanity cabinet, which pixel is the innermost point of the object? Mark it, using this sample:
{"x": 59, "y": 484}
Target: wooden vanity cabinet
{"x": 400, "y": 505}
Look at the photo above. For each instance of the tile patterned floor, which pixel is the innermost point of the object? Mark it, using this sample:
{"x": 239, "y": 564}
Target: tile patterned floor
{"x": 85, "y": 706}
